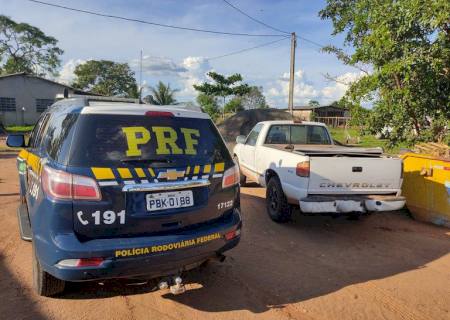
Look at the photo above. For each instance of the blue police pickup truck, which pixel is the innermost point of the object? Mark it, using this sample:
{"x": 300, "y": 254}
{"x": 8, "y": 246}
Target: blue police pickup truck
{"x": 114, "y": 189}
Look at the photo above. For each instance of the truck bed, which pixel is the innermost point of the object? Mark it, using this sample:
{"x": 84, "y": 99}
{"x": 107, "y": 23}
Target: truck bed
{"x": 328, "y": 150}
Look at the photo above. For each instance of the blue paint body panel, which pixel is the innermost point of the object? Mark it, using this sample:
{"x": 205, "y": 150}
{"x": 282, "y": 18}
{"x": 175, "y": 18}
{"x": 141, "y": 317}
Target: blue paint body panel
{"x": 59, "y": 234}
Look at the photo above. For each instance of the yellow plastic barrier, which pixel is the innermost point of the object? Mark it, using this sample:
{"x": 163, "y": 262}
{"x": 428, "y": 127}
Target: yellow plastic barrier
{"x": 426, "y": 186}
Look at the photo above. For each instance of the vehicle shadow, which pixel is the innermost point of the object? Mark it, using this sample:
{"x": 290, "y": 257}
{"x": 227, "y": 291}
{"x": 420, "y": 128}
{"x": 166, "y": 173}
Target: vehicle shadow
{"x": 8, "y": 155}
{"x": 107, "y": 288}
{"x": 278, "y": 264}
{"x": 13, "y": 298}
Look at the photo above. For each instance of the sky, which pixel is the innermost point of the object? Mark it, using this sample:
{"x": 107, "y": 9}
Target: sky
{"x": 181, "y": 57}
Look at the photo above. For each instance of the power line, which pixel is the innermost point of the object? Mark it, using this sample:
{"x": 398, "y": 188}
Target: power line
{"x": 150, "y": 22}
{"x": 254, "y": 19}
{"x": 246, "y": 49}
{"x": 311, "y": 41}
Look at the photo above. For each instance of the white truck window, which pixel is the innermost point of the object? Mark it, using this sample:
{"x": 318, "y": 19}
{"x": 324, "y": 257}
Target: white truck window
{"x": 278, "y": 135}
{"x": 253, "y": 135}
{"x": 297, "y": 134}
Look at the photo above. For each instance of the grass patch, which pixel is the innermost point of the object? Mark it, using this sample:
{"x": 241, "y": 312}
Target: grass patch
{"x": 19, "y": 128}
{"x": 340, "y": 134}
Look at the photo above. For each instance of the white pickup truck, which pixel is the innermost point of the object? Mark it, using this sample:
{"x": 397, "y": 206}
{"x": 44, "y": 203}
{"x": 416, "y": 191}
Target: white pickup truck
{"x": 300, "y": 164}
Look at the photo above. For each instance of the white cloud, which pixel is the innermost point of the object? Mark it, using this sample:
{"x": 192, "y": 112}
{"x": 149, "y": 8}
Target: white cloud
{"x": 196, "y": 69}
{"x": 335, "y": 91}
{"x": 298, "y": 75}
{"x": 278, "y": 92}
{"x": 192, "y": 70}
{"x": 157, "y": 66}
{"x": 66, "y": 74}
{"x": 304, "y": 90}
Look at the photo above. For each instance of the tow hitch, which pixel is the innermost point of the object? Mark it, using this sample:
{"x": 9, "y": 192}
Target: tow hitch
{"x": 175, "y": 285}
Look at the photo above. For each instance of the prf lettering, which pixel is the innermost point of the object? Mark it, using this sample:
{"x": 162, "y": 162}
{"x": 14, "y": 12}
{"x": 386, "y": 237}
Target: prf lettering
{"x": 166, "y": 140}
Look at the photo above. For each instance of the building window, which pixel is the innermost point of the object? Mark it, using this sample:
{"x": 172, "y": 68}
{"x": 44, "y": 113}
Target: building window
{"x": 7, "y": 104}
{"x": 43, "y": 104}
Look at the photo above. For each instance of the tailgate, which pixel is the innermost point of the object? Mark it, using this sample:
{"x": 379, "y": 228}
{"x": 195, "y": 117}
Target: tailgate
{"x": 343, "y": 175}
{"x": 126, "y": 210}
{"x": 149, "y": 168}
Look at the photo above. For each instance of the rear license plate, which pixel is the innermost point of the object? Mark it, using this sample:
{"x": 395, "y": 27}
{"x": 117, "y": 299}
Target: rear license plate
{"x": 169, "y": 200}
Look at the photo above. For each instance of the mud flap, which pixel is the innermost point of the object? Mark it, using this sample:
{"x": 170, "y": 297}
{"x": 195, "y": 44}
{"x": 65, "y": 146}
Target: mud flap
{"x": 24, "y": 222}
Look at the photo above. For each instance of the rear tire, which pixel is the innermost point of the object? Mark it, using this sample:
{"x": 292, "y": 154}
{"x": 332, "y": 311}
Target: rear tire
{"x": 45, "y": 284}
{"x": 277, "y": 205}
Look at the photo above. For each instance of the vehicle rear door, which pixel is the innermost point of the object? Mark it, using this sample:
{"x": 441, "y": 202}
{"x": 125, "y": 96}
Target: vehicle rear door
{"x": 247, "y": 160}
{"x": 34, "y": 161}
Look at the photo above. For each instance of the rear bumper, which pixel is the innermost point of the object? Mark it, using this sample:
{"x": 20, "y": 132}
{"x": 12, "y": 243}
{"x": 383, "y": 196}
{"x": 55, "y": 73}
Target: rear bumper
{"x": 138, "y": 257}
{"x": 350, "y": 204}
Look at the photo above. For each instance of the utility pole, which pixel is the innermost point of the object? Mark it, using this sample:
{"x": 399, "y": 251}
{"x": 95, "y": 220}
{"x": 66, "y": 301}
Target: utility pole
{"x": 292, "y": 71}
{"x": 140, "y": 78}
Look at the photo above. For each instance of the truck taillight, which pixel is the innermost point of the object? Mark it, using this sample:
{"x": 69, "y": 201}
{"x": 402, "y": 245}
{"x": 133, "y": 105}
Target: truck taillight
{"x": 61, "y": 185}
{"x": 402, "y": 169}
{"x": 230, "y": 177}
{"x": 302, "y": 169}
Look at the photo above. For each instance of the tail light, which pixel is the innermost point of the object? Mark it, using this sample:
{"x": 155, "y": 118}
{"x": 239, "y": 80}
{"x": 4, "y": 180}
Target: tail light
{"x": 402, "y": 169}
{"x": 230, "y": 177}
{"x": 159, "y": 114}
{"x": 83, "y": 262}
{"x": 232, "y": 234}
{"x": 57, "y": 184}
{"x": 302, "y": 169}
{"x": 85, "y": 188}
{"x": 62, "y": 185}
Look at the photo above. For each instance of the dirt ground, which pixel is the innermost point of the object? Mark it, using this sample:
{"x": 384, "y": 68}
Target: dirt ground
{"x": 385, "y": 266}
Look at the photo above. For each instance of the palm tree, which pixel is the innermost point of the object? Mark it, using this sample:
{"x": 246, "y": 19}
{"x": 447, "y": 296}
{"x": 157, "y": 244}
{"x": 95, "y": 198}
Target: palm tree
{"x": 161, "y": 95}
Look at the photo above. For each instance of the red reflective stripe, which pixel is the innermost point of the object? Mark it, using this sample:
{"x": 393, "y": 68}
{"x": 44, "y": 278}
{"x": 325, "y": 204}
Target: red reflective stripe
{"x": 89, "y": 262}
{"x": 230, "y": 235}
{"x": 84, "y": 191}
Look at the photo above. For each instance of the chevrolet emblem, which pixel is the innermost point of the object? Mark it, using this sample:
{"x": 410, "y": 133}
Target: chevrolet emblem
{"x": 171, "y": 174}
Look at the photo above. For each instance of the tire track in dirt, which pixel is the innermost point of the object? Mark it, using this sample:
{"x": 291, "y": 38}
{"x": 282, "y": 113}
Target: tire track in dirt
{"x": 386, "y": 300}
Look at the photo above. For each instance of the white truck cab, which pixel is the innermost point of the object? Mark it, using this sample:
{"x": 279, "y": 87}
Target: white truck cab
{"x": 300, "y": 164}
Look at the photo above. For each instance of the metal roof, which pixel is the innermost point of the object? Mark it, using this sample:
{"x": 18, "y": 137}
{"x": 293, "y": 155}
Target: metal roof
{"x": 24, "y": 74}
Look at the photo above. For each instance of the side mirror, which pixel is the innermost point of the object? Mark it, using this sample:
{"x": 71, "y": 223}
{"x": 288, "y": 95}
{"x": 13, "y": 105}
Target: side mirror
{"x": 15, "y": 141}
{"x": 241, "y": 139}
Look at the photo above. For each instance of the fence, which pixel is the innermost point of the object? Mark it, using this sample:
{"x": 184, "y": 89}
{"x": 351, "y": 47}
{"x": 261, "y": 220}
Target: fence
{"x": 333, "y": 121}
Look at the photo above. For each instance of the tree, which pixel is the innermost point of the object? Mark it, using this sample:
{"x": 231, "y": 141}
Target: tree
{"x": 254, "y": 99}
{"x": 24, "y": 48}
{"x": 162, "y": 95}
{"x": 313, "y": 103}
{"x": 234, "y": 105}
{"x": 336, "y": 104}
{"x": 106, "y": 78}
{"x": 223, "y": 86}
{"x": 209, "y": 105}
{"x": 403, "y": 51}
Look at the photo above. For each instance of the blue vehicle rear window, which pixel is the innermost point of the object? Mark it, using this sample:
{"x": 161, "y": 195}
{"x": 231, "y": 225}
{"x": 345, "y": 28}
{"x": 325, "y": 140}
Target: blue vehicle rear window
{"x": 112, "y": 140}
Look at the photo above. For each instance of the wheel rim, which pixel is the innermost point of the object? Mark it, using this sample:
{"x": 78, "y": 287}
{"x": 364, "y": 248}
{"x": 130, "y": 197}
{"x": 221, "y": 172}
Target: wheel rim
{"x": 273, "y": 199}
